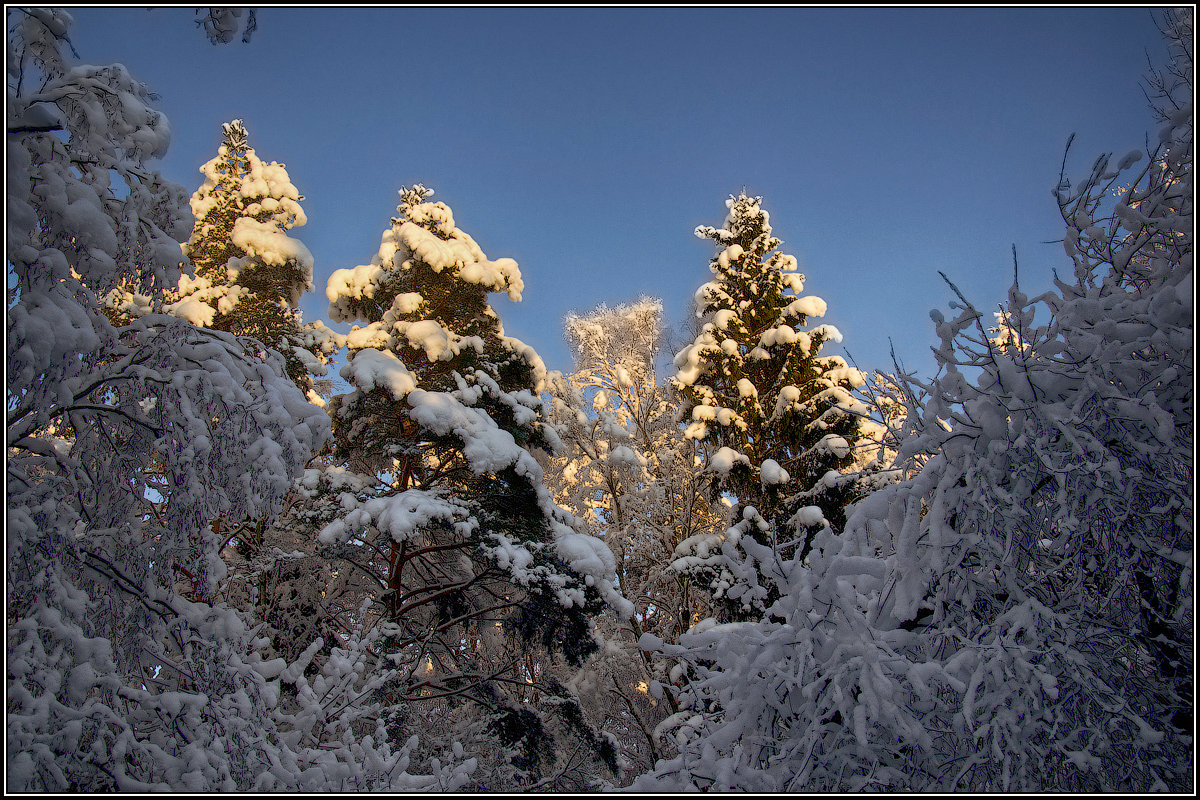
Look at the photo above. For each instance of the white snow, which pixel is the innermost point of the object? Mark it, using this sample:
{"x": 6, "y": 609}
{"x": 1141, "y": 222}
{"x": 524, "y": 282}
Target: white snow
{"x": 809, "y": 516}
{"x": 725, "y": 459}
{"x": 370, "y": 368}
{"x": 430, "y": 336}
{"x": 266, "y": 241}
{"x": 193, "y": 310}
{"x": 772, "y": 474}
{"x": 809, "y": 306}
{"x": 835, "y": 444}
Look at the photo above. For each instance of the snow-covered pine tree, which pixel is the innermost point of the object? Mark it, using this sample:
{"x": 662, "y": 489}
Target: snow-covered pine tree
{"x": 780, "y": 415}
{"x": 249, "y": 273}
{"x": 627, "y": 470}
{"x": 471, "y": 561}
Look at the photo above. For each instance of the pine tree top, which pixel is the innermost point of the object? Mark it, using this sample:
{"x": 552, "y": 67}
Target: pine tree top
{"x": 238, "y": 182}
{"x": 249, "y": 273}
{"x": 236, "y": 137}
{"x": 424, "y": 245}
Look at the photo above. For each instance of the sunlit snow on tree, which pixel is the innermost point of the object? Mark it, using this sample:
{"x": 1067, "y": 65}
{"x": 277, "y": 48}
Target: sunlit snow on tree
{"x": 249, "y": 273}
{"x": 473, "y": 557}
{"x": 781, "y": 417}
{"x": 629, "y": 472}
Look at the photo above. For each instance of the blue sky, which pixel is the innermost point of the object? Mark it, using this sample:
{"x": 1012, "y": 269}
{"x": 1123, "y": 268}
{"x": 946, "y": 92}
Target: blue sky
{"x": 588, "y": 143}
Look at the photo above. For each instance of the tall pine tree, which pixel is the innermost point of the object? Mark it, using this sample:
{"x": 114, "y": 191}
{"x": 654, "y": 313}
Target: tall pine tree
{"x": 249, "y": 274}
{"x": 781, "y": 416}
{"x": 473, "y": 564}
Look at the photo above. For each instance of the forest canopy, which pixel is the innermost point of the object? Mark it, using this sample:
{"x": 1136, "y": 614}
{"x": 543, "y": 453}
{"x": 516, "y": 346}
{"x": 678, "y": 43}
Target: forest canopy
{"x": 735, "y": 562}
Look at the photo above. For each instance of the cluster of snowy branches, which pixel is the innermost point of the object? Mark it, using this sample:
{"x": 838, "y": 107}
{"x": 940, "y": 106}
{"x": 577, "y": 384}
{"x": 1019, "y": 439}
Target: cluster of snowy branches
{"x": 765, "y": 571}
{"x": 1017, "y": 614}
{"x": 124, "y": 443}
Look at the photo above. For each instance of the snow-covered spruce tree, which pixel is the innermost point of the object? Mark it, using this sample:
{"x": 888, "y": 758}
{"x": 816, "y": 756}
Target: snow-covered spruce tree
{"x": 781, "y": 417}
{"x": 249, "y": 275}
{"x": 473, "y": 565}
{"x": 1029, "y": 626}
{"x": 627, "y": 470}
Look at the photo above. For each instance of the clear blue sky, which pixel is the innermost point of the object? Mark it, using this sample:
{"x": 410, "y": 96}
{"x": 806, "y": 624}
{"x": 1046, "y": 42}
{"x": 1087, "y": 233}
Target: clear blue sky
{"x": 588, "y": 143}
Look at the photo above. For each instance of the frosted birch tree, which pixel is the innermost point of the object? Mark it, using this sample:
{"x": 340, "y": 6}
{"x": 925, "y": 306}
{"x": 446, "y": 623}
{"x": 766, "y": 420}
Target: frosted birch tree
{"x": 631, "y": 475}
